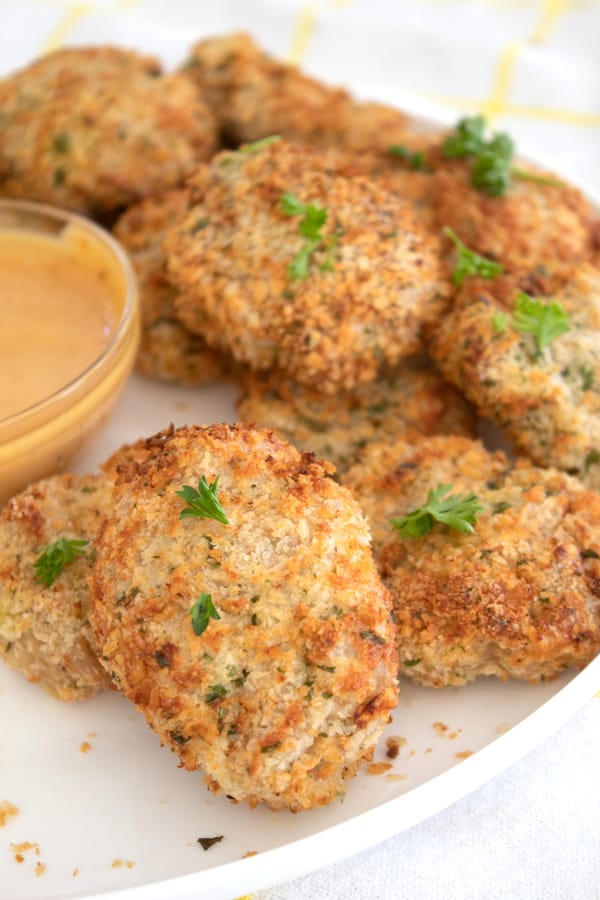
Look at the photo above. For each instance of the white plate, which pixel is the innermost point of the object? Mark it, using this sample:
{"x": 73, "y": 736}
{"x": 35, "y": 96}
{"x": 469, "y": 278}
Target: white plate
{"x": 126, "y": 800}
{"x": 121, "y": 821}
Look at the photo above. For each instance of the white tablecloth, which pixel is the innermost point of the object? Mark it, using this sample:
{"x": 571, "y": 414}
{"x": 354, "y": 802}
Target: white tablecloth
{"x": 534, "y": 69}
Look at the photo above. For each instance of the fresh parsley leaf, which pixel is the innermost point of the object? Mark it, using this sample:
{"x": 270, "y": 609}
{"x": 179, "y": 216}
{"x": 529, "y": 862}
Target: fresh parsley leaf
{"x": 309, "y": 227}
{"x": 414, "y": 158}
{"x": 545, "y": 321}
{"x": 492, "y": 168}
{"x": 314, "y": 219}
{"x": 468, "y": 138}
{"x": 201, "y": 612}
{"x": 470, "y": 263}
{"x": 290, "y": 205}
{"x": 298, "y": 268}
{"x": 499, "y": 322}
{"x": 204, "y": 502}
{"x": 457, "y": 511}
{"x": 524, "y": 175}
{"x": 258, "y": 145}
{"x": 55, "y": 557}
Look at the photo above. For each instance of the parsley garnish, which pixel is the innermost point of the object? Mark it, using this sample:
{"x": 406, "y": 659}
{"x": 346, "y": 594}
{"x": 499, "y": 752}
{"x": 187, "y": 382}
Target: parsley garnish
{"x": 202, "y": 611}
{"x": 55, "y": 557}
{"x": 215, "y": 692}
{"x": 591, "y": 459}
{"x": 414, "y": 158}
{"x": 470, "y": 263}
{"x": 545, "y": 321}
{"x": 468, "y": 138}
{"x": 203, "y": 502}
{"x": 208, "y": 842}
{"x": 456, "y": 511}
{"x": 313, "y": 220}
{"x": 258, "y": 145}
{"x": 492, "y": 170}
{"x": 499, "y": 322}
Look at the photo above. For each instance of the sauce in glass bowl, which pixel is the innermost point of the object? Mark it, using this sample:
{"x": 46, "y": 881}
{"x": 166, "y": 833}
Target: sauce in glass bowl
{"x": 69, "y": 332}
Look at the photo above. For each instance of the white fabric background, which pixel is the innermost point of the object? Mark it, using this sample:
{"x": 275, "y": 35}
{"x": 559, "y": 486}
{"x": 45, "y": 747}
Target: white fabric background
{"x": 534, "y": 68}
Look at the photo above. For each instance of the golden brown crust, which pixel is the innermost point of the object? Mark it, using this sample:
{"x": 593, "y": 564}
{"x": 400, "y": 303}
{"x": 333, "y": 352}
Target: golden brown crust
{"x": 44, "y": 631}
{"x": 280, "y": 698}
{"x": 413, "y": 398}
{"x": 97, "y": 128}
{"x": 534, "y": 230}
{"x": 518, "y": 597}
{"x": 339, "y": 325}
{"x": 548, "y": 403}
{"x": 168, "y": 351}
{"x": 254, "y": 95}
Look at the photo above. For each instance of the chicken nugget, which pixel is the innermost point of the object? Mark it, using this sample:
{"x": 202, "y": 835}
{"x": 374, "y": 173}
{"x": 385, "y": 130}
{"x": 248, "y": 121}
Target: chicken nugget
{"x": 413, "y": 398}
{"x": 254, "y": 95}
{"x": 97, "y": 128}
{"x": 518, "y": 596}
{"x": 329, "y": 278}
{"x": 537, "y": 229}
{"x": 168, "y": 351}
{"x": 235, "y": 599}
{"x": 44, "y": 629}
{"x": 546, "y": 398}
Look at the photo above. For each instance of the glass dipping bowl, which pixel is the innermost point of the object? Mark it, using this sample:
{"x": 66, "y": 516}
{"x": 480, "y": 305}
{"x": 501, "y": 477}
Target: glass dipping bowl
{"x": 39, "y": 440}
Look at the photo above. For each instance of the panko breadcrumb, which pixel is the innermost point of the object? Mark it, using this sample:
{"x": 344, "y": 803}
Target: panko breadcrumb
{"x": 413, "y": 398}
{"x": 372, "y": 283}
{"x": 283, "y": 694}
{"x": 536, "y": 230}
{"x": 168, "y": 351}
{"x": 44, "y": 631}
{"x": 97, "y": 128}
{"x": 518, "y": 597}
{"x": 253, "y": 95}
{"x": 548, "y": 403}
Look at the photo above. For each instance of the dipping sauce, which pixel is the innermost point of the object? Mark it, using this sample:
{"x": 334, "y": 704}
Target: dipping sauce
{"x": 61, "y": 300}
{"x": 69, "y": 333}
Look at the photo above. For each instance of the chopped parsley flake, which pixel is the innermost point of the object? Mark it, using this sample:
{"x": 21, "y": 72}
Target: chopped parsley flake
{"x": 56, "y": 557}
{"x": 456, "y": 511}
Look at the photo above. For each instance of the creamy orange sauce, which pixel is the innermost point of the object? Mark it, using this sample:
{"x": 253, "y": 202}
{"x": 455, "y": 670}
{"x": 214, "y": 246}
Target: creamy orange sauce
{"x": 61, "y": 299}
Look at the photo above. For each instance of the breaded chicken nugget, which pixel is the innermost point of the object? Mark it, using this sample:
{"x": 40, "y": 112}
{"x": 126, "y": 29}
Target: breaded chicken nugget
{"x": 518, "y": 597}
{"x": 547, "y": 401}
{"x": 413, "y": 398}
{"x": 254, "y": 95}
{"x": 257, "y": 640}
{"x": 540, "y": 229}
{"x": 168, "y": 351}
{"x": 44, "y": 630}
{"x": 98, "y": 128}
{"x": 327, "y": 277}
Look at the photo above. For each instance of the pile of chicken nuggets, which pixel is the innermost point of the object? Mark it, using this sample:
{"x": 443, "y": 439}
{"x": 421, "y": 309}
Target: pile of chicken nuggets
{"x": 376, "y": 291}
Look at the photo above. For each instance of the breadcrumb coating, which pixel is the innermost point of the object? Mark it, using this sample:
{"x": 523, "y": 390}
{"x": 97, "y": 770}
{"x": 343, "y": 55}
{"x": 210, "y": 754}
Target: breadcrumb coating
{"x": 547, "y": 402}
{"x": 280, "y": 698}
{"x": 519, "y": 597}
{"x": 535, "y": 230}
{"x": 44, "y": 631}
{"x": 97, "y": 128}
{"x": 413, "y": 398}
{"x": 168, "y": 351}
{"x": 253, "y": 95}
{"x": 372, "y": 282}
